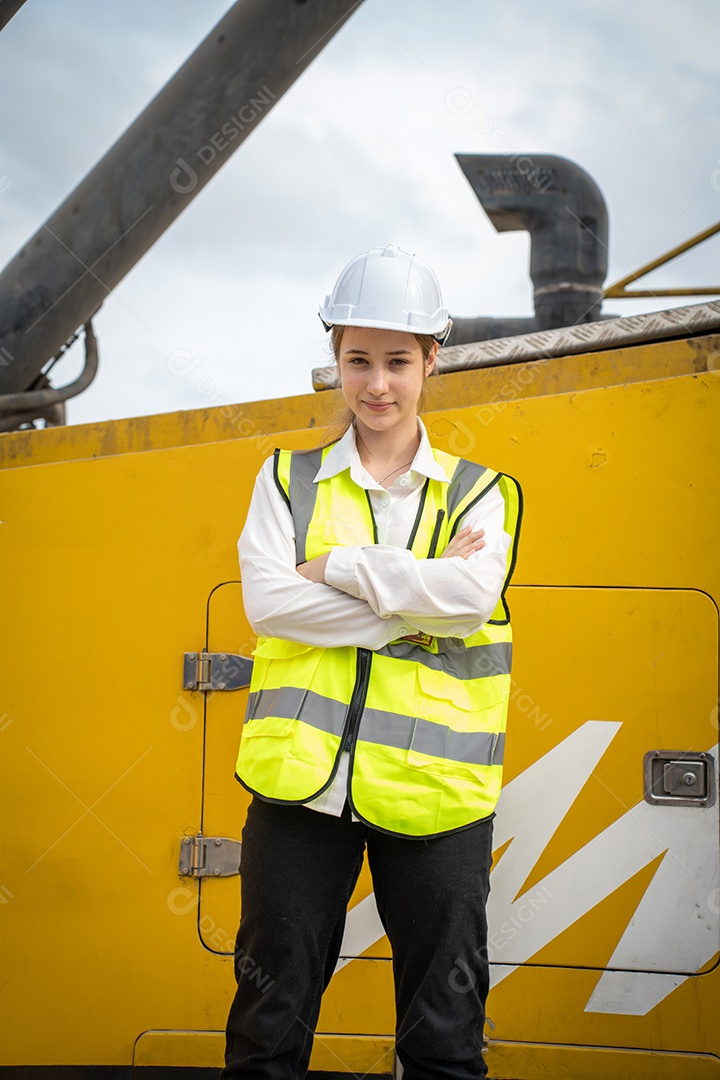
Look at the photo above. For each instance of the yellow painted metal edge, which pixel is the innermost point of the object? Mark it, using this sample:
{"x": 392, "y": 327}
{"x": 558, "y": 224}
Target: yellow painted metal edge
{"x": 506, "y": 1060}
{"x": 261, "y": 420}
{"x": 194, "y": 1049}
{"x": 369, "y": 1054}
{"x": 366, "y": 1054}
{"x": 538, "y": 1061}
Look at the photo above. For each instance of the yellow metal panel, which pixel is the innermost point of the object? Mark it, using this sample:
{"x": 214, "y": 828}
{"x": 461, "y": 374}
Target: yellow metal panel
{"x": 112, "y": 560}
{"x": 372, "y": 1055}
{"x": 111, "y": 567}
{"x": 368, "y": 1055}
{"x": 489, "y": 390}
{"x": 193, "y": 1049}
{"x": 225, "y": 801}
{"x": 545, "y": 1004}
{"x": 365, "y": 1055}
{"x": 618, "y": 483}
{"x": 612, "y": 639}
{"x": 535, "y": 1061}
{"x": 360, "y": 999}
{"x": 644, "y": 658}
{"x": 255, "y": 422}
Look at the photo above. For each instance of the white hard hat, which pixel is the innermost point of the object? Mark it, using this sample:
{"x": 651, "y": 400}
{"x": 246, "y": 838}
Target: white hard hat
{"x": 388, "y": 289}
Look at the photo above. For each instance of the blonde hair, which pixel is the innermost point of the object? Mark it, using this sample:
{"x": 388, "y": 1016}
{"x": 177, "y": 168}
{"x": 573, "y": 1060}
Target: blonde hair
{"x": 343, "y": 416}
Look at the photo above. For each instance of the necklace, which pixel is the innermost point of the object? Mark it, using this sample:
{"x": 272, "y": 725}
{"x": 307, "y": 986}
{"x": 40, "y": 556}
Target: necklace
{"x": 397, "y": 467}
{"x": 396, "y": 470}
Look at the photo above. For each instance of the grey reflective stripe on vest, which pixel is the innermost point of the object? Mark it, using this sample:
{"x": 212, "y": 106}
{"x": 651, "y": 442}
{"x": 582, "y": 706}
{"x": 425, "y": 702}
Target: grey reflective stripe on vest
{"x": 464, "y": 479}
{"x": 303, "y": 495}
{"x": 324, "y": 713}
{"x": 379, "y": 727}
{"x": 435, "y": 740}
{"x": 455, "y": 658}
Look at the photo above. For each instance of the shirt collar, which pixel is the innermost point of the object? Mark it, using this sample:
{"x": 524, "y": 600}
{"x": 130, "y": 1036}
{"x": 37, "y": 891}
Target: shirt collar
{"x": 344, "y": 455}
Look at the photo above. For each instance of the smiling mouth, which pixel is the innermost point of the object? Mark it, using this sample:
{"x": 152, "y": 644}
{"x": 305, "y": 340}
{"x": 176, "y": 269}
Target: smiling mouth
{"x": 379, "y": 404}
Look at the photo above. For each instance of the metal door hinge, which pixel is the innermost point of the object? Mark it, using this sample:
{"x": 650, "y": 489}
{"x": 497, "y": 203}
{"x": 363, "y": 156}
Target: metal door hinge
{"x": 209, "y": 856}
{"x": 216, "y": 671}
{"x": 679, "y": 778}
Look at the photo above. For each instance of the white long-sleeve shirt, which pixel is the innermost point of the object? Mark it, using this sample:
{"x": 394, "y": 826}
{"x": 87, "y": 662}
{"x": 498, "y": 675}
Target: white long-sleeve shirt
{"x": 373, "y": 594}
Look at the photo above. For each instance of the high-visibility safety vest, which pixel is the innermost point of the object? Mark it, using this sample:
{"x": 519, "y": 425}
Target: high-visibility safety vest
{"x": 423, "y": 721}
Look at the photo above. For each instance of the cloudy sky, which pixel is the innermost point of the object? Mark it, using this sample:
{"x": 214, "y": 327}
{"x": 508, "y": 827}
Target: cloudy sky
{"x": 358, "y": 154}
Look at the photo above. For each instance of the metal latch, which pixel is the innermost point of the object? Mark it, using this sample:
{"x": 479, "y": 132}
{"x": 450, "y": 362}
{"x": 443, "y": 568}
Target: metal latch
{"x": 216, "y": 671}
{"x": 679, "y": 778}
{"x": 209, "y": 856}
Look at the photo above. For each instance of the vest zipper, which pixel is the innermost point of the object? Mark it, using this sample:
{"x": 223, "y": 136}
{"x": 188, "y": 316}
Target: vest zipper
{"x": 359, "y": 694}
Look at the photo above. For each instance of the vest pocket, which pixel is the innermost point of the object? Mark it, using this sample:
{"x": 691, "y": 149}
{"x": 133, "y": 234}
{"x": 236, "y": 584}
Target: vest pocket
{"x": 279, "y": 649}
{"x": 453, "y": 732}
{"x": 443, "y": 769}
{"x": 281, "y": 670}
{"x": 443, "y": 698}
{"x": 282, "y": 664}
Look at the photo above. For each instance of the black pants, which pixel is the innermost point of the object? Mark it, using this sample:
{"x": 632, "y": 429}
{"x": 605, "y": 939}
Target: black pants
{"x": 299, "y": 868}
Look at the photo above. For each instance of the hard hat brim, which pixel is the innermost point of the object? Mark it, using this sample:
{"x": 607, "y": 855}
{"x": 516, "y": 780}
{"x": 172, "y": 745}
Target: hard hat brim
{"x": 440, "y": 335}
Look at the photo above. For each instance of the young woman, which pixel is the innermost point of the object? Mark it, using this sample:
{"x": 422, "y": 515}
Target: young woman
{"x": 374, "y": 572}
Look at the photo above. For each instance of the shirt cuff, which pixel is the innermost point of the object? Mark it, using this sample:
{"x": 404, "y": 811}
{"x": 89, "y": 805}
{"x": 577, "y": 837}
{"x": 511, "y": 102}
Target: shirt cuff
{"x": 340, "y": 570}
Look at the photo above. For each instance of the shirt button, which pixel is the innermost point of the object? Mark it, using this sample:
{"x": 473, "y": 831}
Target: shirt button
{"x": 384, "y": 502}
{"x": 403, "y": 480}
{"x": 402, "y": 631}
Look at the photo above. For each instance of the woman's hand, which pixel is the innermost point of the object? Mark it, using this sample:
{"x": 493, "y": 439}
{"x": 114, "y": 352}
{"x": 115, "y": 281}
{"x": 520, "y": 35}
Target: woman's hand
{"x": 464, "y": 543}
{"x": 314, "y": 569}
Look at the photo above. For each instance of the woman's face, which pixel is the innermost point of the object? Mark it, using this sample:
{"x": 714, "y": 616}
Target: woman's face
{"x": 382, "y": 373}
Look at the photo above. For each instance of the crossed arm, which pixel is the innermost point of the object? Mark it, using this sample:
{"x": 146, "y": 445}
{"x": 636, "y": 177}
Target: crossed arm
{"x": 465, "y": 543}
{"x": 368, "y": 596}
